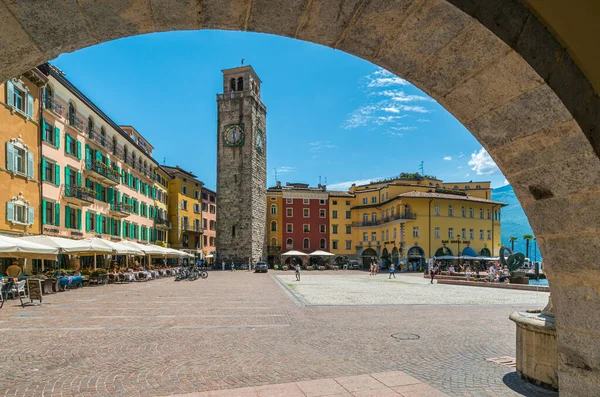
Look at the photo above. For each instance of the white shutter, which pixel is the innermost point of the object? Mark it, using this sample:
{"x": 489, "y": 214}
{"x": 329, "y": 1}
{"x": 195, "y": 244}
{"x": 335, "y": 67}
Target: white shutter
{"x": 29, "y": 110}
{"x": 30, "y": 165}
{"x": 10, "y": 94}
{"x": 10, "y": 156}
{"x": 10, "y": 211}
{"x": 30, "y": 215}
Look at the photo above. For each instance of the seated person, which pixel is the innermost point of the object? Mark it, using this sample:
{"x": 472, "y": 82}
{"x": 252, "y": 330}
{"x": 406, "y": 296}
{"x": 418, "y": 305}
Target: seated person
{"x": 505, "y": 274}
{"x": 14, "y": 270}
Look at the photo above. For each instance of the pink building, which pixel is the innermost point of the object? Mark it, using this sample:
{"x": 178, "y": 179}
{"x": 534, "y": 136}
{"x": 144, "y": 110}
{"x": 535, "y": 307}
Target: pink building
{"x": 209, "y": 220}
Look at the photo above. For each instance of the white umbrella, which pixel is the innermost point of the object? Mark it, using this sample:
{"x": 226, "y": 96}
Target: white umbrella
{"x": 154, "y": 250}
{"x": 294, "y": 253}
{"x": 68, "y": 246}
{"x": 321, "y": 253}
{"x": 18, "y": 248}
{"x": 116, "y": 248}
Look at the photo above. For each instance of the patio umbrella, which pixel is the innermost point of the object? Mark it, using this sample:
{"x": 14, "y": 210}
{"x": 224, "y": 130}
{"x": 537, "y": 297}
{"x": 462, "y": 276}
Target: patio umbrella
{"x": 68, "y": 246}
{"x": 321, "y": 253}
{"x": 153, "y": 250}
{"x": 18, "y": 248}
{"x": 116, "y": 248}
{"x": 294, "y": 253}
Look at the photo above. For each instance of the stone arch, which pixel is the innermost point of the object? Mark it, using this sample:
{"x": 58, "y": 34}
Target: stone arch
{"x": 443, "y": 251}
{"x": 494, "y": 65}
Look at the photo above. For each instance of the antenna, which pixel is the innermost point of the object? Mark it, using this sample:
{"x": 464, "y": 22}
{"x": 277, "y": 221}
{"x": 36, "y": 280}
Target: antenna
{"x": 164, "y": 160}
{"x": 319, "y": 179}
{"x": 275, "y": 175}
{"x": 325, "y": 181}
{"x": 422, "y": 168}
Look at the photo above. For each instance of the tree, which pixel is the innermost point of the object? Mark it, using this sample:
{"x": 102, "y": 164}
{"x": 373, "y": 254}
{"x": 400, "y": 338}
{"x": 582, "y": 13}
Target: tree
{"x": 512, "y": 240}
{"x": 527, "y": 238}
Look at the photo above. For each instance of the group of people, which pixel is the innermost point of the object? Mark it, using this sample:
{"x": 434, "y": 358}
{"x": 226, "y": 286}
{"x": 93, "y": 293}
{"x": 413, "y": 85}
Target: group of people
{"x": 495, "y": 272}
{"x": 374, "y": 270}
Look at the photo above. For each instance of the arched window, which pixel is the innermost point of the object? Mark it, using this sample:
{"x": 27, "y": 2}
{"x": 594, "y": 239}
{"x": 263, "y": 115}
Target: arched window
{"x": 323, "y": 244}
{"x": 455, "y": 188}
{"x": 365, "y": 219}
{"x": 306, "y": 244}
{"x": 273, "y": 209}
{"x": 450, "y": 210}
{"x": 467, "y": 187}
{"x": 114, "y": 143}
{"x": 133, "y": 159}
{"x": 125, "y": 154}
{"x": 289, "y": 243}
{"x": 232, "y": 84}
{"x": 478, "y": 187}
{"x": 464, "y": 212}
{"x": 471, "y": 213}
{"x": 273, "y": 242}
{"x": 102, "y": 136}
{"x": 90, "y": 126}
{"x": 49, "y": 97}
{"x": 140, "y": 163}
{"x": 240, "y": 84}
{"x": 374, "y": 217}
{"x": 71, "y": 113}
{"x": 273, "y": 226}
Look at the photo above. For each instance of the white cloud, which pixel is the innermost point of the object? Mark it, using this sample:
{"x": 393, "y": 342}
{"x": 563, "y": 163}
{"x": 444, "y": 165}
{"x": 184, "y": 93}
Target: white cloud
{"x": 320, "y": 145}
{"x": 418, "y": 109}
{"x": 461, "y": 155}
{"x": 391, "y": 110}
{"x": 404, "y": 128}
{"x": 284, "y": 169}
{"x": 423, "y": 121}
{"x": 360, "y": 117}
{"x": 346, "y": 185}
{"x": 482, "y": 163}
{"x": 401, "y": 96}
{"x": 383, "y": 78}
{"x": 505, "y": 182}
{"x": 448, "y": 158}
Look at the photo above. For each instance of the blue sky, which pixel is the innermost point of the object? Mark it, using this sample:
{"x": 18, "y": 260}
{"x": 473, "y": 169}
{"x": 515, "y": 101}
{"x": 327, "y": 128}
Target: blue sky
{"x": 329, "y": 114}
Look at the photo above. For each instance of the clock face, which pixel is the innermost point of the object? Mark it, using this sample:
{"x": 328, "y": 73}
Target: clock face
{"x": 259, "y": 141}
{"x": 234, "y": 135}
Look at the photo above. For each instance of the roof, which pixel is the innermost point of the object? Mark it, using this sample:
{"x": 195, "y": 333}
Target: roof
{"x": 209, "y": 190}
{"x": 340, "y": 193}
{"x": 446, "y": 196}
{"x": 173, "y": 170}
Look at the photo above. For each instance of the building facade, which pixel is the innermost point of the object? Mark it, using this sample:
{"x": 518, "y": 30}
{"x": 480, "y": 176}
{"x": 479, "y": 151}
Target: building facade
{"x": 19, "y": 172}
{"x": 161, "y": 203}
{"x": 275, "y": 225}
{"x": 241, "y": 168}
{"x": 97, "y": 176}
{"x": 185, "y": 210}
{"x": 209, "y": 222}
{"x": 340, "y": 223}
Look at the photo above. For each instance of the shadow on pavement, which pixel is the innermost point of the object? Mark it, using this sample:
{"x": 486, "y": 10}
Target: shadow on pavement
{"x": 518, "y": 385}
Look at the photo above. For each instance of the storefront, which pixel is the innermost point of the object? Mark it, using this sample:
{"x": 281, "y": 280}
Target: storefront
{"x": 415, "y": 259}
{"x": 368, "y": 256}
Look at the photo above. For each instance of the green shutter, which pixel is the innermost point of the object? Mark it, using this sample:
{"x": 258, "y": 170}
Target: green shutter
{"x": 57, "y": 174}
{"x": 44, "y": 137}
{"x": 78, "y": 219}
{"x": 57, "y": 214}
{"x": 67, "y": 217}
{"x": 110, "y": 195}
{"x": 43, "y": 212}
{"x": 29, "y": 109}
{"x": 10, "y": 156}
{"x": 30, "y": 215}
{"x": 67, "y": 151}
{"x": 79, "y": 150}
{"x": 98, "y": 223}
{"x": 10, "y": 211}
{"x": 98, "y": 191}
{"x": 88, "y": 220}
{"x": 88, "y": 157}
{"x": 43, "y": 169}
{"x": 79, "y": 179}
{"x": 67, "y": 181}
{"x": 10, "y": 94}
{"x": 57, "y": 137}
{"x": 30, "y": 165}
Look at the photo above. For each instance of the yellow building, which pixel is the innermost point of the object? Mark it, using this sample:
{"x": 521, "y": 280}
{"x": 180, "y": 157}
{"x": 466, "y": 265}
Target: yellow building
{"x": 407, "y": 219}
{"x": 185, "y": 210}
{"x": 340, "y": 223}
{"x": 162, "y": 224}
{"x": 274, "y": 225}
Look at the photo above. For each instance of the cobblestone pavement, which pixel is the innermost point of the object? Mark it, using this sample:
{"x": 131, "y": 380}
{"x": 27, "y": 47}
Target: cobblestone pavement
{"x": 236, "y": 330}
{"x": 337, "y": 288}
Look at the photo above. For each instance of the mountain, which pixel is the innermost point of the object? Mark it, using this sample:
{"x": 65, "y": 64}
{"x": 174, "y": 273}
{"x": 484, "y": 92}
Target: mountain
{"x": 514, "y": 220}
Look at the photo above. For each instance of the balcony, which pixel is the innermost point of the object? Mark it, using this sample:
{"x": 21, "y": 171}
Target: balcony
{"x": 402, "y": 217}
{"x": 76, "y": 123}
{"x": 368, "y": 244}
{"x": 96, "y": 137}
{"x": 273, "y": 249}
{"x": 162, "y": 223}
{"x": 192, "y": 228}
{"x": 121, "y": 210}
{"x": 54, "y": 106}
{"x": 102, "y": 172}
{"x": 78, "y": 195}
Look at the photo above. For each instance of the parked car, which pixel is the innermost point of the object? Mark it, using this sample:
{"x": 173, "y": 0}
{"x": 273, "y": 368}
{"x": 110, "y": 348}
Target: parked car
{"x": 261, "y": 267}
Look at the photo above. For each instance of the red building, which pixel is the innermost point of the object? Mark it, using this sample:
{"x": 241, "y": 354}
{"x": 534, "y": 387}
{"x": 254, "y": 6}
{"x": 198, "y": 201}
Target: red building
{"x": 305, "y": 218}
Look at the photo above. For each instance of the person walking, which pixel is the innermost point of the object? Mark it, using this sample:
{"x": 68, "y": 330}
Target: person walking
{"x": 297, "y": 272}
{"x": 432, "y": 275}
{"x": 392, "y": 271}
{"x": 232, "y": 267}
{"x": 371, "y": 269}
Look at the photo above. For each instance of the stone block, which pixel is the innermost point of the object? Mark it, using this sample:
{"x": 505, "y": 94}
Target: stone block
{"x": 575, "y": 382}
{"x": 113, "y": 19}
{"x": 227, "y": 15}
{"x": 493, "y": 87}
{"x": 176, "y": 14}
{"x": 280, "y": 17}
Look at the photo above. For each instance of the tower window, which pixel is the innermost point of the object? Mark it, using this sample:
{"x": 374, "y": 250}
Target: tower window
{"x": 233, "y": 231}
{"x": 232, "y": 84}
{"x": 240, "y": 84}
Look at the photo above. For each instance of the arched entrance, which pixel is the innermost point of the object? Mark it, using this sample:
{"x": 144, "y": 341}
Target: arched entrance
{"x": 368, "y": 256}
{"x": 493, "y": 65}
{"x": 443, "y": 251}
{"x": 395, "y": 256}
{"x": 385, "y": 259}
{"x": 415, "y": 259}
{"x": 485, "y": 252}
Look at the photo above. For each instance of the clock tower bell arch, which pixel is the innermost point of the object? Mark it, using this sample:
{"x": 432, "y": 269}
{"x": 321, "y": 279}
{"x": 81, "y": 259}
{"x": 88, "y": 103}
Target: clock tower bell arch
{"x": 241, "y": 168}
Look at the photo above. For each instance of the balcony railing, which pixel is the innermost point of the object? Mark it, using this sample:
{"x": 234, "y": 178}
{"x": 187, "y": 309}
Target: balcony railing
{"x": 95, "y": 136}
{"x": 273, "y": 248}
{"x": 163, "y": 222}
{"x": 103, "y": 170}
{"x": 381, "y": 221}
{"x": 76, "y": 122}
{"x": 80, "y": 193}
{"x": 122, "y": 208}
{"x": 52, "y": 104}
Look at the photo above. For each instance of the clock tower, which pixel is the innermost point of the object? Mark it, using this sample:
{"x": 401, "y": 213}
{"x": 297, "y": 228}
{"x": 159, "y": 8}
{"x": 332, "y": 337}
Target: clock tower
{"x": 241, "y": 168}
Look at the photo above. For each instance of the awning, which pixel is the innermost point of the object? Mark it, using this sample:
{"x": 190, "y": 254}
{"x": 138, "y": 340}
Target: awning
{"x": 117, "y": 248}
{"x": 153, "y": 250}
{"x": 294, "y": 253}
{"x": 68, "y": 246}
{"x": 321, "y": 253}
{"x": 13, "y": 247}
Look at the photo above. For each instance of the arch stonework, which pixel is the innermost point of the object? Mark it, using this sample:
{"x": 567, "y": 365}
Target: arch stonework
{"x": 492, "y": 64}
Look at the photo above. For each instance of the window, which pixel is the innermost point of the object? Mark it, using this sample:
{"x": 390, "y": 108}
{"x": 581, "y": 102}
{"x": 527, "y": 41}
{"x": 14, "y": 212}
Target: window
{"x": 334, "y": 214}
{"x": 365, "y": 236}
{"x": 273, "y": 226}
{"x": 455, "y": 187}
{"x": 489, "y": 234}
{"x": 50, "y": 133}
{"x": 322, "y": 202}
{"x": 197, "y": 208}
{"x": 50, "y": 172}
{"x": 387, "y": 234}
{"x": 334, "y": 202}
{"x": 184, "y": 204}
{"x": 71, "y": 146}
{"x": 365, "y": 219}
{"x": 365, "y": 200}
{"x": 464, "y": 212}
{"x": 289, "y": 227}
{"x": 72, "y": 218}
{"x": 205, "y": 240}
{"x": 306, "y": 244}
{"x": 289, "y": 212}
{"x": 289, "y": 201}
{"x": 348, "y": 244}
{"x": 416, "y": 231}
{"x": 184, "y": 190}
{"x": 374, "y": 218}
{"x": 436, "y": 210}
{"x": 489, "y": 214}
{"x": 204, "y": 222}
{"x": 204, "y": 197}
{"x": 18, "y": 211}
{"x": 382, "y": 235}
{"x": 467, "y": 187}
{"x": 481, "y": 234}
{"x": 306, "y": 201}
{"x": 347, "y": 202}
{"x": 478, "y": 187}
{"x": 213, "y": 225}
{"x": 481, "y": 213}
{"x": 334, "y": 244}
{"x": 19, "y": 160}
{"x": 306, "y": 228}
{"x": 273, "y": 209}
{"x": 348, "y": 229}
{"x": 322, "y": 213}
{"x": 450, "y": 232}
{"x": 374, "y": 199}
{"x": 334, "y": 229}
{"x": 394, "y": 233}
{"x": 373, "y": 236}
{"x": 289, "y": 243}
{"x": 204, "y": 206}
{"x": 450, "y": 210}
{"x": 323, "y": 244}
{"x": 471, "y": 212}
{"x": 49, "y": 211}
{"x": 212, "y": 241}
{"x": 436, "y": 232}
{"x": 18, "y": 98}
{"x": 464, "y": 233}
{"x": 213, "y": 209}
{"x": 323, "y": 228}
{"x": 306, "y": 212}
{"x": 348, "y": 215}
{"x": 196, "y": 194}
{"x": 471, "y": 234}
